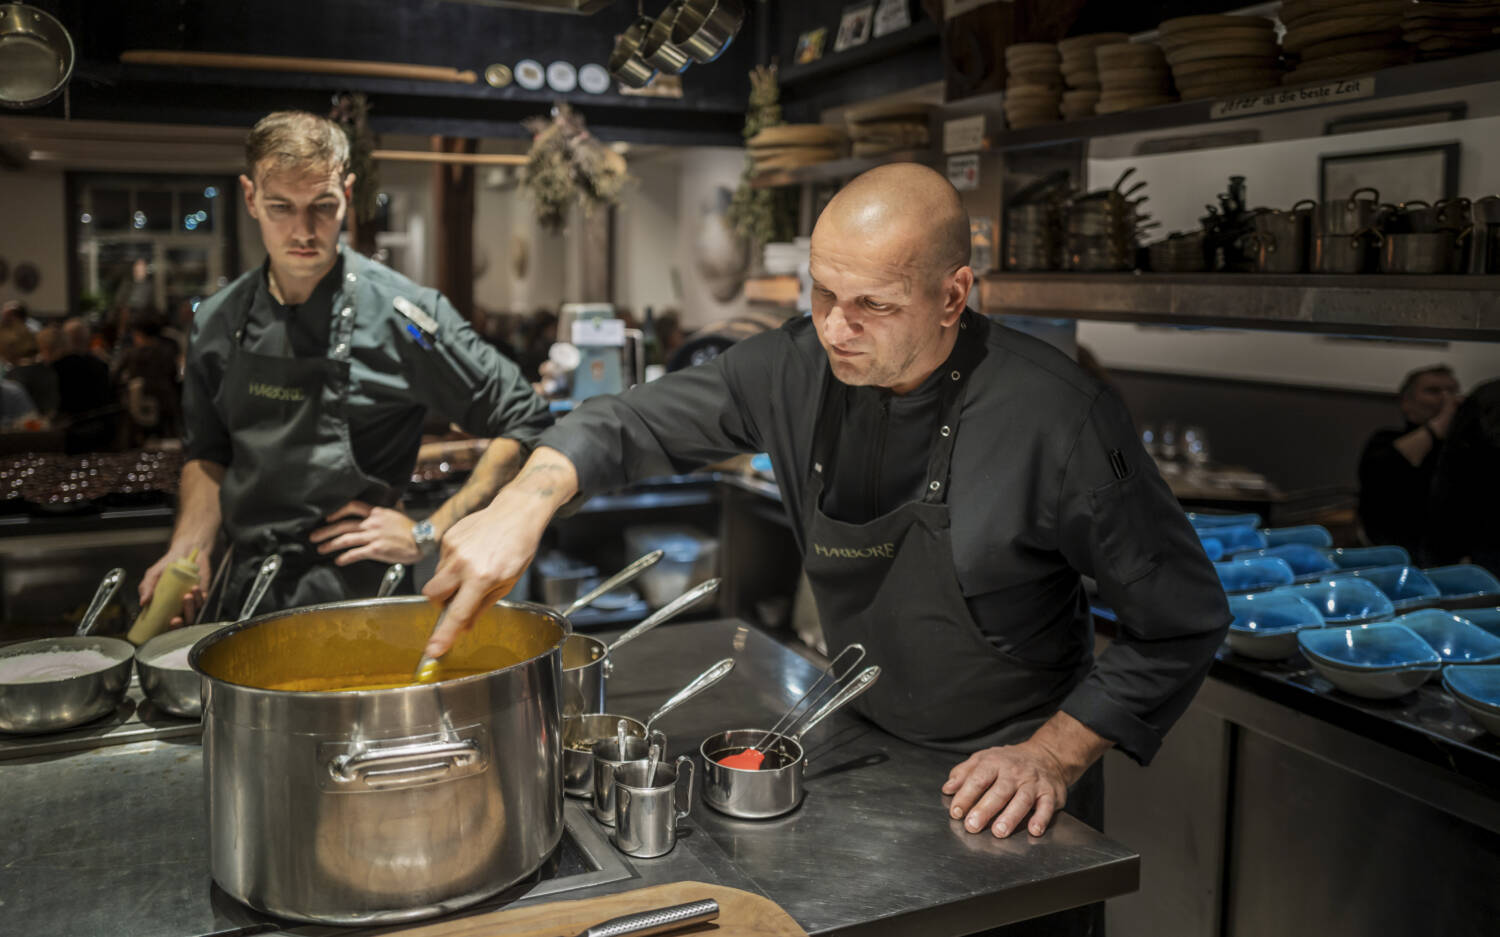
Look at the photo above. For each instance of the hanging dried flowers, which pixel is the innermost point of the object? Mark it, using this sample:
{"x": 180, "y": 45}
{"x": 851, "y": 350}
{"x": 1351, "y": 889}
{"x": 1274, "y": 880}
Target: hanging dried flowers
{"x": 568, "y": 164}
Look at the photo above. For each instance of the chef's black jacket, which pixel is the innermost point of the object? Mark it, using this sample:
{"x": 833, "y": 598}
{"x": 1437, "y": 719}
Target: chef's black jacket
{"x": 1049, "y": 482}
{"x": 1393, "y": 493}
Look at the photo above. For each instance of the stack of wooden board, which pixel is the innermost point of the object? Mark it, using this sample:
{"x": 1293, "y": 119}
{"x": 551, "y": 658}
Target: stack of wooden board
{"x": 1080, "y": 71}
{"x": 1033, "y": 84}
{"x": 1443, "y": 30}
{"x": 1132, "y": 75}
{"x": 1216, "y": 55}
{"x": 1338, "y": 38}
{"x": 789, "y": 146}
{"x": 886, "y": 127}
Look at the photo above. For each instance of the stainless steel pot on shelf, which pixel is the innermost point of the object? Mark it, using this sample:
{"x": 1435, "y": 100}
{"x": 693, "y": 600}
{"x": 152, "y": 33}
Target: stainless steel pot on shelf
{"x": 1343, "y": 253}
{"x": 385, "y": 804}
{"x": 1430, "y": 252}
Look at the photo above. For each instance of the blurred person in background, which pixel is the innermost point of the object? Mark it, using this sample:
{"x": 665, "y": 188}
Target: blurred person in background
{"x": 28, "y": 366}
{"x": 1396, "y": 467}
{"x": 148, "y": 380}
{"x": 1464, "y": 522}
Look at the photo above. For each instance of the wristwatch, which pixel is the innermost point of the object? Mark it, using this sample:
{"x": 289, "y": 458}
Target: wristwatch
{"x": 424, "y": 537}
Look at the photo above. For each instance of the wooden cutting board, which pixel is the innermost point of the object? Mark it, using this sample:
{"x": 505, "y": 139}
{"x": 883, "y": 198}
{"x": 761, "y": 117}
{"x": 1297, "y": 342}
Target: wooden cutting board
{"x": 741, "y": 914}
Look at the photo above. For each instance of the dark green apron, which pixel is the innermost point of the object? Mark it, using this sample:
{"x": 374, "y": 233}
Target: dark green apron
{"x": 292, "y": 463}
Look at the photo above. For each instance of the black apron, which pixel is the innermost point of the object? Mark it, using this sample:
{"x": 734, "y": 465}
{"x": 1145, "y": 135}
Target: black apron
{"x": 891, "y": 584}
{"x": 292, "y": 463}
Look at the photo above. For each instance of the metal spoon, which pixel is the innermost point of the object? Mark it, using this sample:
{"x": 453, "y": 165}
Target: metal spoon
{"x": 106, "y": 591}
{"x": 651, "y": 760}
{"x": 427, "y": 666}
{"x": 614, "y": 582}
{"x": 667, "y": 612}
{"x": 703, "y": 681}
{"x": 268, "y": 570}
{"x": 391, "y": 580}
{"x": 620, "y": 737}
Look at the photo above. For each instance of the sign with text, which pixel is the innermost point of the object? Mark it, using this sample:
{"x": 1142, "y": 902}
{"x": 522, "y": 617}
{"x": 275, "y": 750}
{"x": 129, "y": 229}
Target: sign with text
{"x": 599, "y": 332}
{"x": 1284, "y": 99}
{"x": 963, "y": 134}
{"x": 963, "y": 172}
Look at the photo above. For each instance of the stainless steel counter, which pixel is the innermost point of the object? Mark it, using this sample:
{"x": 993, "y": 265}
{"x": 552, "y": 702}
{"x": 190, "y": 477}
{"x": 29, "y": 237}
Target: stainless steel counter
{"x": 112, "y": 840}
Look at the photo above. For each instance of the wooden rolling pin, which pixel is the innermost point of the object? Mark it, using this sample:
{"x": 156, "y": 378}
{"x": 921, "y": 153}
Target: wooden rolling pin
{"x": 286, "y": 63}
{"x": 459, "y": 159}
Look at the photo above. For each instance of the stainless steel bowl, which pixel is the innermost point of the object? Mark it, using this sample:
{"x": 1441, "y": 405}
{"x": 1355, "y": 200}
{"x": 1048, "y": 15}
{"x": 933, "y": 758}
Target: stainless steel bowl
{"x": 38, "y": 55}
{"x": 177, "y": 690}
{"x": 704, "y": 28}
{"x": 50, "y": 705}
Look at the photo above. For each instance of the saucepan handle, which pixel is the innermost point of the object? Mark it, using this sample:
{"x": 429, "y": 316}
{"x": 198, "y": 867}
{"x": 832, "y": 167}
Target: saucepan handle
{"x": 854, "y": 688}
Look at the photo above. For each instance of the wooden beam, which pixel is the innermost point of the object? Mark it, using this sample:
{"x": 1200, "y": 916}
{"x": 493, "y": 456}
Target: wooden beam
{"x": 453, "y": 214}
{"x": 457, "y": 159}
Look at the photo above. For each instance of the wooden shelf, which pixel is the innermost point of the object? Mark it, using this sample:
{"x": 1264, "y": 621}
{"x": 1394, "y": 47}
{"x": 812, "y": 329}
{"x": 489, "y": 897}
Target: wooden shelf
{"x": 923, "y": 30}
{"x": 779, "y": 291}
{"x": 837, "y": 170}
{"x": 1465, "y": 308}
{"x": 1424, "y": 77}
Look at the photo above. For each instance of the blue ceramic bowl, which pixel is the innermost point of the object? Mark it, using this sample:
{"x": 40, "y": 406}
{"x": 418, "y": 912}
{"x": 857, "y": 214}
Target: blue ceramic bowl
{"x": 1477, "y": 690}
{"x": 1374, "y": 661}
{"x": 1365, "y": 557}
{"x": 1456, "y": 639}
{"x": 1306, "y": 562}
{"x": 1345, "y": 601}
{"x": 1265, "y": 624}
{"x": 1466, "y": 583}
{"x": 1407, "y": 587}
{"x": 1238, "y": 539}
{"x": 1212, "y": 547}
{"x": 1254, "y": 574}
{"x": 1205, "y": 521}
{"x": 1486, "y": 618}
{"x": 1313, "y": 535}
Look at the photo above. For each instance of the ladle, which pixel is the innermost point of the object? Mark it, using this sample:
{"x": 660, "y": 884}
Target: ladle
{"x": 614, "y": 582}
{"x": 390, "y": 580}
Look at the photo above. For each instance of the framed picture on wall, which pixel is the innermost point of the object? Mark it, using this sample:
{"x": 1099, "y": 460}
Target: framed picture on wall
{"x": 854, "y": 27}
{"x": 1425, "y": 173}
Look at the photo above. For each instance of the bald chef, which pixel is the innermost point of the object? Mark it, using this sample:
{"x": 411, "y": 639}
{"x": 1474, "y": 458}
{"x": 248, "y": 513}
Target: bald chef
{"x": 950, "y": 482}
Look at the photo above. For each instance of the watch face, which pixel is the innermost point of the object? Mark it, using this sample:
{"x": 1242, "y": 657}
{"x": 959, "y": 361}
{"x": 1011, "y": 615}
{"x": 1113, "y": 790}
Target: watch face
{"x": 593, "y": 79}
{"x": 530, "y": 75}
{"x": 562, "y": 77}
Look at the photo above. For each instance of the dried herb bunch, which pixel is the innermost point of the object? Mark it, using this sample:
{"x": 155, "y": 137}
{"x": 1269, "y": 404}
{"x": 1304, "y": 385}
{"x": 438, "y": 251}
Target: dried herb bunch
{"x": 352, "y": 112}
{"x": 762, "y": 215}
{"x": 568, "y": 164}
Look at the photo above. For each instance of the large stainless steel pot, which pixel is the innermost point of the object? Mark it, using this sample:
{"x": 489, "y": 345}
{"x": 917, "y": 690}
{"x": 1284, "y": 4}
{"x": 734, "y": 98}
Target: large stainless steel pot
{"x": 1343, "y": 253}
{"x": 1425, "y": 252}
{"x": 1484, "y": 250}
{"x": 385, "y": 804}
{"x": 1279, "y": 242}
{"x": 1348, "y": 215}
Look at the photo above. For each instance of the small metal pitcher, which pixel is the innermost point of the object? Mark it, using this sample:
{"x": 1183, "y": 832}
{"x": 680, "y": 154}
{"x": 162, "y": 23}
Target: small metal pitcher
{"x": 646, "y": 808}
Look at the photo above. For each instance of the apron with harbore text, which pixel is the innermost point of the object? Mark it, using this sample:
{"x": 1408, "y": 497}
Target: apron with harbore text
{"x": 292, "y": 463}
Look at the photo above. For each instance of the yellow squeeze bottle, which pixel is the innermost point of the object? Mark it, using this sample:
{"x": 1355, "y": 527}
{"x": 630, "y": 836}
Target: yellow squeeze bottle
{"x": 166, "y": 602}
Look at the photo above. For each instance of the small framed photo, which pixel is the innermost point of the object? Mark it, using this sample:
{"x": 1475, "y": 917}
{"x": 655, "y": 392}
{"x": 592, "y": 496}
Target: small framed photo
{"x": 810, "y": 46}
{"x": 891, "y": 15}
{"x": 854, "y": 27}
{"x": 1425, "y": 173}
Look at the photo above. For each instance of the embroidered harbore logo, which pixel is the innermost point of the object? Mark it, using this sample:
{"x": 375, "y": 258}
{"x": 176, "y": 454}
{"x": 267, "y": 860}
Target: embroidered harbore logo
{"x": 883, "y": 551}
{"x": 277, "y": 392}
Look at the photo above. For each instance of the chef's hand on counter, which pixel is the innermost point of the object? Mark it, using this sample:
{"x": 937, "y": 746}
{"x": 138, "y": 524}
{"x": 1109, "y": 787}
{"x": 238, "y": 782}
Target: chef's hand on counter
{"x": 485, "y": 553}
{"x": 358, "y": 531}
{"x": 1032, "y": 777}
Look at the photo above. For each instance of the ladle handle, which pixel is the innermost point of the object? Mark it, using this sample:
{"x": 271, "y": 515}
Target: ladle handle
{"x": 667, "y": 612}
{"x": 614, "y": 582}
{"x": 704, "y": 680}
{"x": 106, "y": 591}
{"x": 390, "y": 580}
{"x": 855, "y": 687}
{"x": 268, "y": 570}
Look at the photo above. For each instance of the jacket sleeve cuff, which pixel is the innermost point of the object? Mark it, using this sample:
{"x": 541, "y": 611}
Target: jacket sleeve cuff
{"x": 1092, "y": 706}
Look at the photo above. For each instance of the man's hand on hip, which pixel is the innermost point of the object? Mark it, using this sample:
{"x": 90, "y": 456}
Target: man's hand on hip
{"x": 358, "y": 532}
{"x": 998, "y": 787}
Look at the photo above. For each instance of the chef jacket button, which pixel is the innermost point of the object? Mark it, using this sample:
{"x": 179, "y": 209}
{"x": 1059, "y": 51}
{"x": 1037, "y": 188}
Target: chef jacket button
{"x": 350, "y": 277}
{"x": 934, "y": 486}
{"x": 954, "y": 375}
{"x": 945, "y": 431}
{"x": 340, "y": 348}
{"x": 347, "y": 312}
{"x": 817, "y": 466}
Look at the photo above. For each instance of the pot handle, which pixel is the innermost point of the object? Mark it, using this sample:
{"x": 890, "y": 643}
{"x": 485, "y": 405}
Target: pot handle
{"x": 691, "y": 766}
{"x": 1414, "y": 203}
{"x": 1310, "y": 203}
{"x": 1463, "y": 235}
{"x": 667, "y": 612}
{"x": 1374, "y": 233}
{"x": 405, "y": 765}
{"x": 1354, "y": 196}
{"x": 700, "y": 683}
{"x": 854, "y": 688}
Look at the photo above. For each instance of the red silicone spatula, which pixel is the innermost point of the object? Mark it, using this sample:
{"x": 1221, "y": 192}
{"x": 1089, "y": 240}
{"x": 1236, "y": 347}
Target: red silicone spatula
{"x": 752, "y": 758}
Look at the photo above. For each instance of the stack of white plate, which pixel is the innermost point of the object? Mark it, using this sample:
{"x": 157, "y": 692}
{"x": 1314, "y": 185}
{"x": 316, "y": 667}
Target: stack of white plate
{"x": 1033, "y": 84}
{"x": 1218, "y": 55}
{"x": 1080, "y": 71}
{"x": 1132, "y": 75}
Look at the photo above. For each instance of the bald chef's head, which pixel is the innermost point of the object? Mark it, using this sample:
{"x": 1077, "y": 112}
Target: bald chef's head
{"x": 890, "y": 271}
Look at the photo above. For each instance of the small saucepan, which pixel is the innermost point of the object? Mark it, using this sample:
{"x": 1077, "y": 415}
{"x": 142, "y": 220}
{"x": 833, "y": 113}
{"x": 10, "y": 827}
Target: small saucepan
{"x": 162, "y": 662}
{"x": 585, "y": 658}
{"x": 776, "y": 787}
